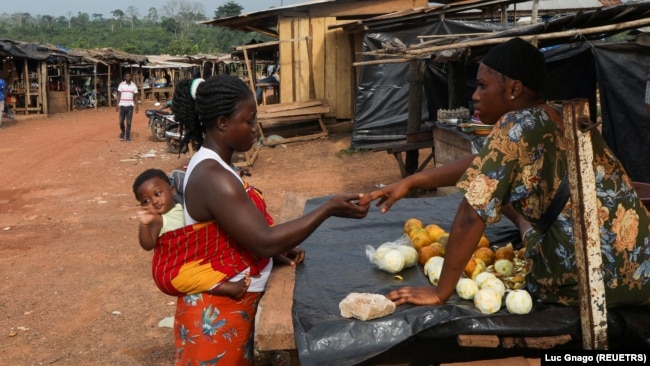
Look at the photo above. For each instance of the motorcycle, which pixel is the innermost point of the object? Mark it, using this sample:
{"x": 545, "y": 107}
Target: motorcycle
{"x": 173, "y": 138}
{"x": 88, "y": 98}
{"x": 174, "y": 141}
{"x": 81, "y": 100}
{"x": 161, "y": 120}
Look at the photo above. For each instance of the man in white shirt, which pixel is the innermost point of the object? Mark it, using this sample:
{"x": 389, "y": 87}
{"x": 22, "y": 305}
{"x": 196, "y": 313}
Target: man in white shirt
{"x": 127, "y": 100}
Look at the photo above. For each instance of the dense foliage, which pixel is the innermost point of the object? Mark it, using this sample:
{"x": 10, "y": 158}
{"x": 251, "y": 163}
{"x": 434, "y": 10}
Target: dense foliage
{"x": 171, "y": 29}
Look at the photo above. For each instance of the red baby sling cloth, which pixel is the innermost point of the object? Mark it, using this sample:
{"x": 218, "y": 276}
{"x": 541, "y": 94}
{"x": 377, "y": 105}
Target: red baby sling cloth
{"x": 196, "y": 257}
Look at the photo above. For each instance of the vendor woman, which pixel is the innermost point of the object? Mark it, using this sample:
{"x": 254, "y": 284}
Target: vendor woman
{"x": 517, "y": 173}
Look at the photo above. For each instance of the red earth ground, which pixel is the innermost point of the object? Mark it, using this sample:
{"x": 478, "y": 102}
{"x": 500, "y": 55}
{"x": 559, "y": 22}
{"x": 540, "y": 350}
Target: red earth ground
{"x": 75, "y": 286}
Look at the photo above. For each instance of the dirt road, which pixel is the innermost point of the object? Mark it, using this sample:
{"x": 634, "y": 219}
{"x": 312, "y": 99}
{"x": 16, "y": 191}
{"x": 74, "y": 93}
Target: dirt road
{"x": 75, "y": 286}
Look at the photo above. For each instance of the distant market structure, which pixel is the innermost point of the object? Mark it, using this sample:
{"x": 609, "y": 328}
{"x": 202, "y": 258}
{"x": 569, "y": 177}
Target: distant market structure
{"x": 45, "y": 79}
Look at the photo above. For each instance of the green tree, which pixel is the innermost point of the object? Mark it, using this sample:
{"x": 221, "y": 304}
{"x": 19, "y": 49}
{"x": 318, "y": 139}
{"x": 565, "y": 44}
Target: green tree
{"x": 171, "y": 26}
{"x": 229, "y": 9}
{"x": 118, "y": 15}
{"x": 132, "y": 15}
{"x": 152, "y": 15}
{"x": 176, "y": 32}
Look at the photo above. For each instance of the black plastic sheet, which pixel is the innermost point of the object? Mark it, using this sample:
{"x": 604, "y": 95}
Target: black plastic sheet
{"x": 336, "y": 265}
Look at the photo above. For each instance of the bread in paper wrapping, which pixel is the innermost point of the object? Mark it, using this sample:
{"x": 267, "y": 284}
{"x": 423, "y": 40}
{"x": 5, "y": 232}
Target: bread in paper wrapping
{"x": 366, "y": 306}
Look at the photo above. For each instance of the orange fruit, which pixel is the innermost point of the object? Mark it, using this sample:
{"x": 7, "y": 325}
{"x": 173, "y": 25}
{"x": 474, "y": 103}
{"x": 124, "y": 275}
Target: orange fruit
{"x": 432, "y": 250}
{"x": 473, "y": 267}
{"x": 420, "y": 239}
{"x": 506, "y": 252}
{"x": 486, "y": 255}
{"x": 434, "y": 231}
{"x": 483, "y": 242}
{"x": 411, "y": 224}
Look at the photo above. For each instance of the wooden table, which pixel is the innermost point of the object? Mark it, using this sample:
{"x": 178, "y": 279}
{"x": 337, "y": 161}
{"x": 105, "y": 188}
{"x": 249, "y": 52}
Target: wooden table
{"x": 265, "y": 86}
{"x": 157, "y": 92}
{"x": 451, "y": 144}
{"x": 397, "y": 148}
{"x": 274, "y": 323}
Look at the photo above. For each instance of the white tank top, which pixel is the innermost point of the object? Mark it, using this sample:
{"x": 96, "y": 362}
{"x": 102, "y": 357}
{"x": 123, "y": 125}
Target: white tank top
{"x": 258, "y": 284}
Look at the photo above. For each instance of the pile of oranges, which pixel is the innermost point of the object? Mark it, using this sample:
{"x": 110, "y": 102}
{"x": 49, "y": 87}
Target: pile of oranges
{"x": 431, "y": 240}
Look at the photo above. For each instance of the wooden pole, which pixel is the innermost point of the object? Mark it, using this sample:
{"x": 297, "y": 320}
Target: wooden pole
{"x": 586, "y": 234}
{"x": 415, "y": 96}
{"x": 416, "y": 71}
{"x": 251, "y": 82}
{"x": 414, "y": 52}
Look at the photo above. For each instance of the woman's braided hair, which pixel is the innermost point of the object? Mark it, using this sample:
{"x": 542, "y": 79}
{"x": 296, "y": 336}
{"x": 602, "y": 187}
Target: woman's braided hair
{"x": 217, "y": 96}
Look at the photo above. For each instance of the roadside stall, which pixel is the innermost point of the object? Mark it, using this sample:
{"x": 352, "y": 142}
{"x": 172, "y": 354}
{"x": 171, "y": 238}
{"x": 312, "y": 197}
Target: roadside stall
{"x": 33, "y": 73}
{"x": 160, "y": 74}
{"x": 97, "y": 73}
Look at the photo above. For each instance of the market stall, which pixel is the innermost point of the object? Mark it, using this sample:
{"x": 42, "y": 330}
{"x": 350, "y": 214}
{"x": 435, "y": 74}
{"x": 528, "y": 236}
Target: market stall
{"x": 336, "y": 265}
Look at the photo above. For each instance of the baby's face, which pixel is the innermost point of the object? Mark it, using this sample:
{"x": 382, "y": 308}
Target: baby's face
{"x": 158, "y": 194}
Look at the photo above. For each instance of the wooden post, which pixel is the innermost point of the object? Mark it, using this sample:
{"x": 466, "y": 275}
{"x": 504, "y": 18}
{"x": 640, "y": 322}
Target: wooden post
{"x": 251, "y": 82}
{"x": 415, "y": 96}
{"x": 43, "y": 88}
{"x": 584, "y": 211}
{"x": 456, "y": 82}
{"x": 416, "y": 70}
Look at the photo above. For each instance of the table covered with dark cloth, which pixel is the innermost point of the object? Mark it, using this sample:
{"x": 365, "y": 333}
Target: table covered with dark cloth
{"x": 336, "y": 265}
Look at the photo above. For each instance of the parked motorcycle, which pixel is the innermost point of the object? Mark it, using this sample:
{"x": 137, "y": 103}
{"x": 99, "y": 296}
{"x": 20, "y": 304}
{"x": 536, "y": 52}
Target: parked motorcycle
{"x": 174, "y": 141}
{"x": 161, "y": 120}
{"x": 88, "y": 98}
{"x": 81, "y": 100}
{"x": 173, "y": 137}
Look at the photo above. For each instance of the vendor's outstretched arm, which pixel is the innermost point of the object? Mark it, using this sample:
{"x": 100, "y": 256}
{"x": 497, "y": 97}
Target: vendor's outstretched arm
{"x": 443, "y": 176}
{"x": 463, "y": 238}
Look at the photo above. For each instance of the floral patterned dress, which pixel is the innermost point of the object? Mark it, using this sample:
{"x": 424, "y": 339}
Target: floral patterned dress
{"x": 522, "y": 163}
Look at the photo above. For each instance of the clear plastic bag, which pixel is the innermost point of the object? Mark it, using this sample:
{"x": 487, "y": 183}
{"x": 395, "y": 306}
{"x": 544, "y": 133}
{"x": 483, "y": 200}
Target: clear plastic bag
{"x": 393, "y": 256}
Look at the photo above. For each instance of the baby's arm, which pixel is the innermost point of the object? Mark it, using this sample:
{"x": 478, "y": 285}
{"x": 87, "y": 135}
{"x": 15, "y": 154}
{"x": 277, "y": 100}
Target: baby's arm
{"x": 234, "y": 290}
{"x": 150, "y": 225}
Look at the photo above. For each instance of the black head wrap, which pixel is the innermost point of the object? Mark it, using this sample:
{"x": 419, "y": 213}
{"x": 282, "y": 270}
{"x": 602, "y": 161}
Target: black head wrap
{"x": 518, "y": 60}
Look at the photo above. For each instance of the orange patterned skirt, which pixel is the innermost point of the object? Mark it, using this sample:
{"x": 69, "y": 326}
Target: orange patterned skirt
{"x": 210, "y": 329}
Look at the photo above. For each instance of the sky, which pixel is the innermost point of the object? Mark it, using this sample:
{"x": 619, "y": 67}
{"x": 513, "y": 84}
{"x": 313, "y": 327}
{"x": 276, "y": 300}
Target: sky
{"x": 65, "y": 7}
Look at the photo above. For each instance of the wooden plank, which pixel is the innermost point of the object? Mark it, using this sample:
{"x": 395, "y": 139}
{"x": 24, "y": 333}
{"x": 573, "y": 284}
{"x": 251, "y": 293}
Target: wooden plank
{"x": 294, "y": 112}
{"x": 584, "y": 211}
{"x": 331, "y": 67}
{"x": 542, "y": 342}
{"x": 319, "y": 62}
{"x": 297, "y": 138}
{"x": 283, "y": 121}
{"x": 274, "y": 323}
{"x": 291, "y": 105}
{"x": 249, "y": 157}
{"x": 286, "y": 60}
{"x": 343, "y": 103}
{"x": 478, "y": 340}
{"x": 274, "y": 328}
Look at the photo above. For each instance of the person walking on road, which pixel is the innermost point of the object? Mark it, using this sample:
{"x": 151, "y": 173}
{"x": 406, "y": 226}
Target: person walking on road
{"x": 127, "y": 101}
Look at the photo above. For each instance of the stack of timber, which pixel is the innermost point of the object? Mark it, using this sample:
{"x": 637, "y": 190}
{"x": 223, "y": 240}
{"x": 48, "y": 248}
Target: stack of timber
{"x": 296, "y": 121}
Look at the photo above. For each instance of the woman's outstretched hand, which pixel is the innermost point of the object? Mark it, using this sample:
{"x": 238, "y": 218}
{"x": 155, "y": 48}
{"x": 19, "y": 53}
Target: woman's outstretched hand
{"x": 348, "y": 205}
{"x": 387, "y": 195}
{"x": 420, "y": 295}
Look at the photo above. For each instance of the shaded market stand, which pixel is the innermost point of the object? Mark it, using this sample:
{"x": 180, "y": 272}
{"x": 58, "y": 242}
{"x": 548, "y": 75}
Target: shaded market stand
{"x": 274, "y": 335}
{"x": 45, "y": 79}
{"x": 32, "y": 73}
{"x": 315, "y": 60}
